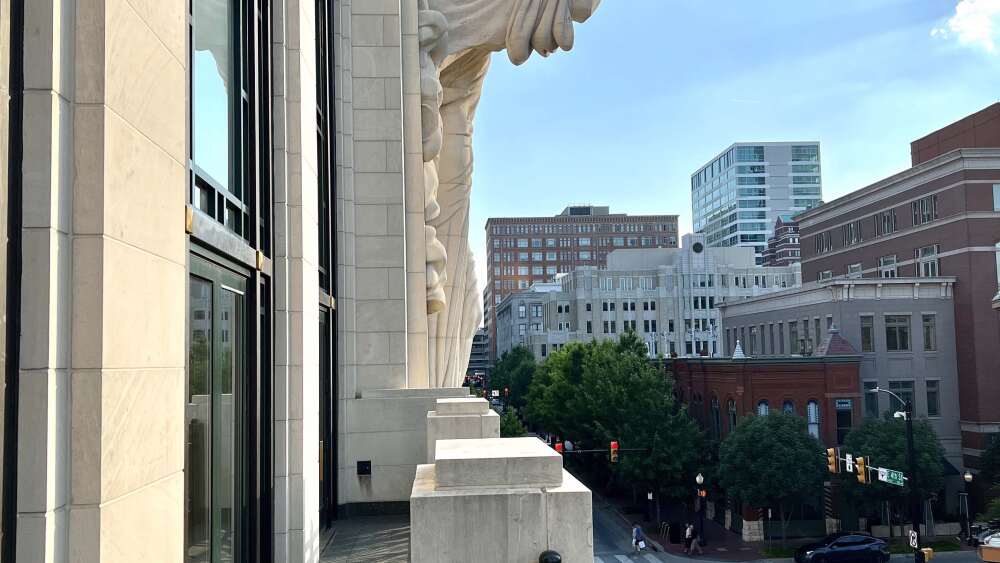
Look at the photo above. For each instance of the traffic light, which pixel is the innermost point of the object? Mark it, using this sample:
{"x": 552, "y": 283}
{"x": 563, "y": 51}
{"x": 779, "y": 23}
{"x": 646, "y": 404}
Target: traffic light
{"x": 559, "y": 447}
{"x": 614, "y": 451}
{"x": 832, "y": 463}
{"x": 862, "y": 470}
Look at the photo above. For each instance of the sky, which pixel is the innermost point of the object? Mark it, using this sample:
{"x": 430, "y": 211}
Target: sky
{"x": 653, "y": 89}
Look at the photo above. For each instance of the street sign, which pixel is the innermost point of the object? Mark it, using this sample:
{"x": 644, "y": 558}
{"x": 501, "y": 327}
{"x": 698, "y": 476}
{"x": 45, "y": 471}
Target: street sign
{"x": 890, "y": 476}
{"x": 913, "y": 538}
{"x": 883, "y": 474}
{"x": 496, "y": 392}
{"x": 849, "y": 460}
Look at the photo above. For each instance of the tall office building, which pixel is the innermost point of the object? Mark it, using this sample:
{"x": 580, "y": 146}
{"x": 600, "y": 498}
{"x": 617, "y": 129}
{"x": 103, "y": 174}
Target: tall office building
{"x": 738, "y": 195}
{"x": 523, "y": 250}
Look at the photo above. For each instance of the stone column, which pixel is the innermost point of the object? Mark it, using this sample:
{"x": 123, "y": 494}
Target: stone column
{"x": 103, "y": 350}
{"x": 296, "y": 370}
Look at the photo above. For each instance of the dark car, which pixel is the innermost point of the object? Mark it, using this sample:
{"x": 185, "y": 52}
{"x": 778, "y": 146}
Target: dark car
{"x": 853, "y": 547}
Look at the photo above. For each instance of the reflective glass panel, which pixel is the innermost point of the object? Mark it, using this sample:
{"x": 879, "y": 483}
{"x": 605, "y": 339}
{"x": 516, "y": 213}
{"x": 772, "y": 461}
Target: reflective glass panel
{"x": 199, "y": 422}
{"x": 211, "y": 85}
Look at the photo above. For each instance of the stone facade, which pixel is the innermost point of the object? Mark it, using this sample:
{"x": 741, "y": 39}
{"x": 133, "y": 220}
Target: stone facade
{"x": 859, "y": 308}
{"x": 669, "y": 297}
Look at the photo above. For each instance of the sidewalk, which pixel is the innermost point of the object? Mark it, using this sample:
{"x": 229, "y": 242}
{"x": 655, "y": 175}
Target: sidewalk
{"x": 368, "y": 539}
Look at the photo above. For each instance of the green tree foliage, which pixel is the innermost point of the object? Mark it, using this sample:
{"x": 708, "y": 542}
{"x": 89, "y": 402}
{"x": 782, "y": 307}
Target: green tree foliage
{"x": 987, "y": 481}
{"x": 510, "y": 425}
{"x": 772, "y": 461}
{"x": 514, "y": 371}
{"x": 597, "y": 392}
{"x": 883, "y": 442}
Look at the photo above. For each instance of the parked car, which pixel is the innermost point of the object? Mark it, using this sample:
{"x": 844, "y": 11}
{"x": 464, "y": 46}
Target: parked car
{"x": 850, "y": 547}
{"x": 989, "y": 549}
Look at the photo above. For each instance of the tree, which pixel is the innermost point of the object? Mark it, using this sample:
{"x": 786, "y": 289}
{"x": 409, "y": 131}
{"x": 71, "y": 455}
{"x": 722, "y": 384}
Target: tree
{"x": 772, "y": 461}
{"x": 987, "y": 481}
{"x": 883, "y": 443}
{"x": 594, "y": 393}
{"x": 514, "y": 372}
{"x": 510, "y": 425}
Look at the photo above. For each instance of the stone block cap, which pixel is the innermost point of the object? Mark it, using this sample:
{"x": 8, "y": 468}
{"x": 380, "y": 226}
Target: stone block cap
{"x": 465, "y": 405}
{"x": 497, "y": 462}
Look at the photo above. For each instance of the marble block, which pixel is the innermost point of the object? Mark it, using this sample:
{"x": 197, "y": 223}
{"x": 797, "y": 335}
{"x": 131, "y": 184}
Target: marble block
{"x": 465, "y": 405}
{"x": 498, "y": 462}
{"x": 495, "y": 521}
{"x": 467, "y": 417}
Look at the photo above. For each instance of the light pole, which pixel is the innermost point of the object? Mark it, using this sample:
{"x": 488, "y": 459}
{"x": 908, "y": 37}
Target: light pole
{"x": 911, "y": 455}
{"x": 701, "y": 504}
{"x": 964, "y": 505}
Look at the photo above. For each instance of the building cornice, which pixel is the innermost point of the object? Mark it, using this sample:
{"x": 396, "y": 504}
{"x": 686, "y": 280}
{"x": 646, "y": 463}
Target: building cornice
{"x": 938, "y": 167}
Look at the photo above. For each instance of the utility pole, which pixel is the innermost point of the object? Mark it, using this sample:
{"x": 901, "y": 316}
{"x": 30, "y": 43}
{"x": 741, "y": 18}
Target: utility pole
{"x": 915, "y": 511}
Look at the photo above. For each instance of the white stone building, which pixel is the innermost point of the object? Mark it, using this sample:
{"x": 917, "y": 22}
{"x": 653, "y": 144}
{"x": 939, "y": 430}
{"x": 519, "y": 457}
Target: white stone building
{"x": 669, "y": 296}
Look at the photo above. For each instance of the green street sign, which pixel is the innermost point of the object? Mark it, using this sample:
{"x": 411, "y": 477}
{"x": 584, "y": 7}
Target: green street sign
{"x": 891, "y": 476}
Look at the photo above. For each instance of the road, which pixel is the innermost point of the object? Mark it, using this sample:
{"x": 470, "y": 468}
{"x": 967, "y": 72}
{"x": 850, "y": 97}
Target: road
{"x": 613, "y": 544}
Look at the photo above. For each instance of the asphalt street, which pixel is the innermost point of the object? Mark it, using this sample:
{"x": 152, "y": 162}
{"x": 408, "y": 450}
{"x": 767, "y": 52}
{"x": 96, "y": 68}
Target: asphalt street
{"x": 613, "y": 544}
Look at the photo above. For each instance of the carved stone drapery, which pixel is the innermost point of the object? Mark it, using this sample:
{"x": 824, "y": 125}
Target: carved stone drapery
{"x": 456, "y": 38}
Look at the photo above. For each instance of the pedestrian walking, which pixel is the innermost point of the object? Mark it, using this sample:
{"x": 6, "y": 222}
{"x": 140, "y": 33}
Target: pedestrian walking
{"x": 695, "y": 542}
{"x": 688, "y": 534}
{"x": 638, "y": 538}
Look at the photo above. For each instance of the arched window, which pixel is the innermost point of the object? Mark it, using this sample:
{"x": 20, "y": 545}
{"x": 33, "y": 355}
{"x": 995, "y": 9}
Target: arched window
{"x": 788, "y": 406}
{"x": 731, "y": 407}
{"x": 812, "y": 417}
{"x": 762, "y": 408}
{"x": 716, "y": 418}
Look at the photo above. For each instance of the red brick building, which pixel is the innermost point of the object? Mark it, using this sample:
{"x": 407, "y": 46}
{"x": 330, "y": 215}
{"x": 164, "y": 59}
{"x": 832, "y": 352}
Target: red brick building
{"x": 939, "y": 218}
{"x": 979, "y": 130}
{"x": 823, "y": 389}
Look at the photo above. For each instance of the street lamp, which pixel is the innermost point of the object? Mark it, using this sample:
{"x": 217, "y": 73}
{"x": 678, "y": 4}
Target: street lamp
{"x": 907, "y": 415}
{"x": 964, "y": 505}
{"x": 700, "y": 479}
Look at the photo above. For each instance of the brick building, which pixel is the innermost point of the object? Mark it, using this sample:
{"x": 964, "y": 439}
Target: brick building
{"x": 824, "y": 389}
{"x": 783, "y": 248}
{"x": 524, "y": 250}
{"x": 939, "y": 218}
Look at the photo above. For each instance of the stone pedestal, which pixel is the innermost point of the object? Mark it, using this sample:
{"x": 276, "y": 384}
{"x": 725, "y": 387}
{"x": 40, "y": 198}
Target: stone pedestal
{"x": 753, "y": 530}
{"x": 498, "y": 500}
{"x": 455, "y": 418}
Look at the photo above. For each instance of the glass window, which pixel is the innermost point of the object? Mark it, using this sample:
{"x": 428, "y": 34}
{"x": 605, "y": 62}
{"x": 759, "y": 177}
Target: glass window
{"x": 762, "y": 407}
{"x": 716, "y": 419}
{"x": 927, "y": 261}
{"x": 731, "y": 407}
{"x": 793, "y": 337}
{"x": 812, "y": 418}
{"x": 897, "y": 333}
{"x": 845, "y": 412}
{"x": 902, "y": 388}
{"x": 871, "y": 399}
{"x": 805, "y": 152}
{"x": 788, "y": 407}
{"x": 854, "y": 270}
{"x": 924, "y": 210}
{"x": 887, "y": 266}
{"x": 930, "y": 332}
{"x": 522, "y": 311}
{"x": 867, "y": 333}
{"x": 933, "y": 398}
{"x": 996, "y": 197}
{"x": 211, "y": 91}
{"x": 750, "y": 154}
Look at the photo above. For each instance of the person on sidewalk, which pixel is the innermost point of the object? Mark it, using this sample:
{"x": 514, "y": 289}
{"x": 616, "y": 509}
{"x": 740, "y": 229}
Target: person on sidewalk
{"x": 688, "y": 534}
{"x": 638, "y": 538}
{"x": 695, "y": 542}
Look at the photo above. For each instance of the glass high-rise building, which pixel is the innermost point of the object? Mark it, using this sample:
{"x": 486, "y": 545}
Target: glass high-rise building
{"x": 738, "y": 195}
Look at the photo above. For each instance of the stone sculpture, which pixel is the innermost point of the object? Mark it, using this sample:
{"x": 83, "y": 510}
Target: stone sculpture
{"x": 456, "y": 38}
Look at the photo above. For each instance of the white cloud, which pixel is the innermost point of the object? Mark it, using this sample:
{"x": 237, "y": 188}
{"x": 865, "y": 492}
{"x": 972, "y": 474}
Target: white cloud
{"x": 975, "y": 23}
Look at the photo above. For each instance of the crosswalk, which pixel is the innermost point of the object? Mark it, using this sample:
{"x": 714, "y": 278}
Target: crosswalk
{"x": 631, "y": 558}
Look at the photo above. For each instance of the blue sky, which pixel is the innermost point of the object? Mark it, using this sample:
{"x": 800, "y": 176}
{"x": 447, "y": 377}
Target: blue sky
{"x": 655, "y": 88}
